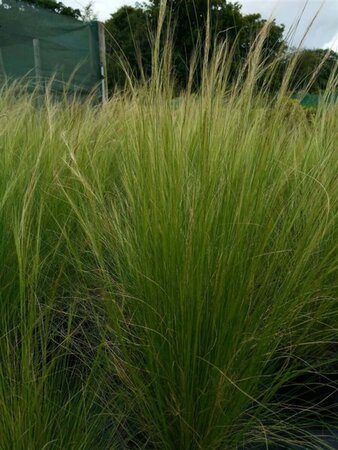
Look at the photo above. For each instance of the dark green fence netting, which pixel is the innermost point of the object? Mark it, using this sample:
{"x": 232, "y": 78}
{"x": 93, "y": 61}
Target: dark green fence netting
{"x": 41, "y": 47}
{"x": 313, "y": 100}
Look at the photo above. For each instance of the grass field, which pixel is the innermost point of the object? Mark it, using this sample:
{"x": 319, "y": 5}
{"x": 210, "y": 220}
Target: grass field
{"x": 168, "y": 270}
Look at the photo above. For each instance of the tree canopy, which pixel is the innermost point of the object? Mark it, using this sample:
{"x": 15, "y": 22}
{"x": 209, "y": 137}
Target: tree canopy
{"x": 314, "y": 66}
{"x": 128, "y": 36}
{"x": 57, "y": 7}
{"x": 129, "y": 32}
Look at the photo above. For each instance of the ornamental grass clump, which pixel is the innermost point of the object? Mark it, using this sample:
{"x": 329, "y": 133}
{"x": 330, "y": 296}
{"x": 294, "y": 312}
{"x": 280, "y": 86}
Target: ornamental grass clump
{"x": 169, "y": 268}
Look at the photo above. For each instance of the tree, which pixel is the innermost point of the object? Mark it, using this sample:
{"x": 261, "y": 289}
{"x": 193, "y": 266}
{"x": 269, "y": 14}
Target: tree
{"x": 57, "y": 7}
{"x": 187, "y": 19}
{"x": 314, "y": 67}
{"x": 128, "y": 43}
{"x": 88, "y": 14}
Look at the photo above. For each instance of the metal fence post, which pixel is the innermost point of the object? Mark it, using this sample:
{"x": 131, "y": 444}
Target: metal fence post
{"x": 37, "y": 59}
{"x": 103, "y": 63}
{"x": 38, "y": 73}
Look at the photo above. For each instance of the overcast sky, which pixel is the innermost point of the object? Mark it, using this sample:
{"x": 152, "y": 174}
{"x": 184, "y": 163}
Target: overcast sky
{"x": 323, "y": 33}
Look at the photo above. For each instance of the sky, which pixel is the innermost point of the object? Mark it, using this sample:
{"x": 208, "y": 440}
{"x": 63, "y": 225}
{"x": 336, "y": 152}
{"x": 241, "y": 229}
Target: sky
{"x": 322, "y": 34}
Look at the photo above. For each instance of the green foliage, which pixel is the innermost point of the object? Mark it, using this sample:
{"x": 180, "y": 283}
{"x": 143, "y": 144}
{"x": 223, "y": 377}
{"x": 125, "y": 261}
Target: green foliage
{"x": 57, "y": 7}
{"x": 292, "y": 108}
{"x": 131, "y": 29}
{"x": 311, "y": 73}
{"x": 128, "y": 44}
{"x": 313, "y": 68}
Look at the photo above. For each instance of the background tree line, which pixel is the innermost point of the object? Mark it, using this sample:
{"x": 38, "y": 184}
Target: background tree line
{"x": 130, "y": 30}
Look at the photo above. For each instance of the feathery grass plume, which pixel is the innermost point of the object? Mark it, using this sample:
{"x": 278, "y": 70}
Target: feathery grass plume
{"x": 169, "y": 268}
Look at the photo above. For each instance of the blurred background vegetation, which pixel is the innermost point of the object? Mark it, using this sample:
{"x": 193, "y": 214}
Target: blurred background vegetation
{"x": 130, "y": 34}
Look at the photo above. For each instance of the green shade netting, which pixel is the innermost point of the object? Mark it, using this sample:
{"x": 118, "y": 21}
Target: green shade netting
{"x": 66, "y": 50}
